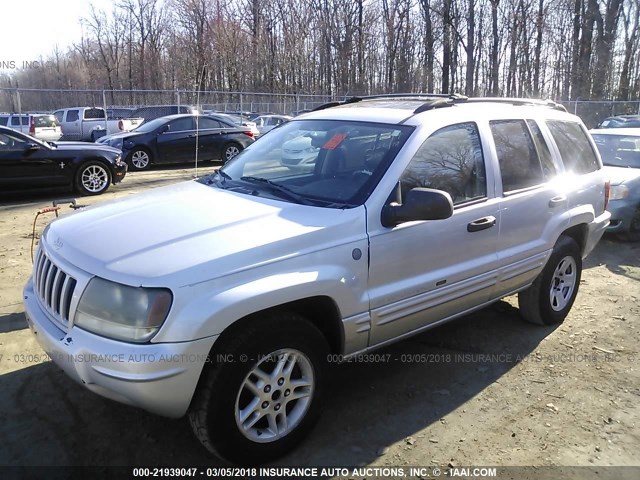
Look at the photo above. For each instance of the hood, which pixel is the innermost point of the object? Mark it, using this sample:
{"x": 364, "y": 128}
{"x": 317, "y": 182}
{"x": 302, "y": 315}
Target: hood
{"x": 618, "y": 175}
{"x": 115, "y": 136}
{"x": 190, "y": 232}
{"x": 84, "y": 146}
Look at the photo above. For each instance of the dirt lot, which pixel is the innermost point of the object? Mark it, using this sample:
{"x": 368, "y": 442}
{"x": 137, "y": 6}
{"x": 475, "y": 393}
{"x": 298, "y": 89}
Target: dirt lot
{"x": 488, "y": 389}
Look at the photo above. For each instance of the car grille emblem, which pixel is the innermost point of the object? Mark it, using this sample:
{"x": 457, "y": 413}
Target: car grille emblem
{"x": 61, "y": 164}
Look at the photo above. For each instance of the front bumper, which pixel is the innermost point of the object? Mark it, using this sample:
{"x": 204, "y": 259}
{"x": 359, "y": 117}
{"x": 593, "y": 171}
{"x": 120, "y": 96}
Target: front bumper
{"x": 160, "y": 378}
{"x": 596, "y": 230}
{"x": 622, "y": 212}
{"x": 119, "y": 171}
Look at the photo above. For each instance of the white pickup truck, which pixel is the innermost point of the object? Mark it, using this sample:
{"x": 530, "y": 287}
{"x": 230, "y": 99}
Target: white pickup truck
{"x": 90, "y": 123}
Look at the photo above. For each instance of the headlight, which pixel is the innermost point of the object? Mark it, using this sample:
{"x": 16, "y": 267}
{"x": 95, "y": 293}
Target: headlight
{"x": 117, "y": 311}
{"x": 618, "y": 192}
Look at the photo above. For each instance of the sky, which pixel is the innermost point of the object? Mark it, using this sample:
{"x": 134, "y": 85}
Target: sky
{"x": 31, "y": 28}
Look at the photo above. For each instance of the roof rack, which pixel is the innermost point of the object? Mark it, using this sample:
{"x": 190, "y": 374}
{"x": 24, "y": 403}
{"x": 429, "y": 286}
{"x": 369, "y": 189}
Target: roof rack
{"x": 442, "y": 100}
{"x": 519, "y": 101}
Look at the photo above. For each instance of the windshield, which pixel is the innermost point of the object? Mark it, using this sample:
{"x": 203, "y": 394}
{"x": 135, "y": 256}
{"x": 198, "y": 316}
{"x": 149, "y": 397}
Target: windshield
{"x": 151, "y": 125}
{"x": 619, "y": 150}
{"x": 321, "y": 162}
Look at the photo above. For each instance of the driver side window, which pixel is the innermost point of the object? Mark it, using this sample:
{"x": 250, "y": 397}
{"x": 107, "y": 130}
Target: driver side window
{"x": 450, "y": 160}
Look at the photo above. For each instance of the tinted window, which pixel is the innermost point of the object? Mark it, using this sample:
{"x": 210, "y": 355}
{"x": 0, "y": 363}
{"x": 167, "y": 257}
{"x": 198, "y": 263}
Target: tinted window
{"x": 3, "y": 121}
{"x": 517, "y": 156}
{"x": 15, "y": 121}
{"x": 181, "y": 124}
{"x": 205, "y": 123}
{"x": 575, "y": 148}
{"x": 93, "y": 113}
{"x": 548, "y": 168}
{"x": 451, "y": 160}
{"x": 59, "y": 115}
{"x": 11, "y": 142}
{"x": 72, "y": 116}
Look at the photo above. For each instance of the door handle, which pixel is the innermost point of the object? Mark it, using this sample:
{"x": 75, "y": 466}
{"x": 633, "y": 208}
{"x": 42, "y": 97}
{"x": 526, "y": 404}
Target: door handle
{"x": 557, "y": 201}
{"x": 481, "y": 224}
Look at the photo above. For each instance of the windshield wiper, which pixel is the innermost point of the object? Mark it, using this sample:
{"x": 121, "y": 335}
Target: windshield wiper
{"x": 276, "y": 187}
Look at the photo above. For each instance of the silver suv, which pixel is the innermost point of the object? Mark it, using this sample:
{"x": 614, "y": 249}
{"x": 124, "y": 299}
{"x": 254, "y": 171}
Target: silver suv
{"x": 232, "y": 292}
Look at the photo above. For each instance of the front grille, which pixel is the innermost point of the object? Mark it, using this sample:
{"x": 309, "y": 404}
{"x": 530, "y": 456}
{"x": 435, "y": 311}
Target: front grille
{"x": 54, "y": 288}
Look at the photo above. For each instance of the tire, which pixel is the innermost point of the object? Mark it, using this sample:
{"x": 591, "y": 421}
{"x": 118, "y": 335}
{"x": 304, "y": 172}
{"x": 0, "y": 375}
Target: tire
{"x": 139, "y": 159}
{"x": 633, "y": 234}
{"x": 240, "y": 424}
{"x": 549, "y": 299}
{"x": 93, "y": 178}
{"x": 230, "y": 151}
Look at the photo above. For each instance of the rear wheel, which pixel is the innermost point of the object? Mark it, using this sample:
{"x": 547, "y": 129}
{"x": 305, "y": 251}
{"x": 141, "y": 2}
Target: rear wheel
{"x": 550, "y": 298}
{"x": 139, "y": 158}
{"x": 93, "y": 178}
{"x": 261, "y": 404}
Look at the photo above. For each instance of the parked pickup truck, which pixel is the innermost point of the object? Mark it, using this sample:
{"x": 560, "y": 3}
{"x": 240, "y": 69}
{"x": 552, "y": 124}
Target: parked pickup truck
{"x": 90, "y": 123}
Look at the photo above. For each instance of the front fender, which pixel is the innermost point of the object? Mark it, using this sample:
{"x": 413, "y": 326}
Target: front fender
{"x": 202, "y": 310}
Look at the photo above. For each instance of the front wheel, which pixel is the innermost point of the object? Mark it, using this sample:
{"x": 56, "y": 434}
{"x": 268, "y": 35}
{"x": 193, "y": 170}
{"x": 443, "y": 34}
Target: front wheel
{"x": 93, "y": 178}
{"x": 139, "y": 159}
{"x": 633, "y": 234}
{"x": 548, "y": 300}
{"x": 264, "y": 399}
{"x": 230, "y": 151}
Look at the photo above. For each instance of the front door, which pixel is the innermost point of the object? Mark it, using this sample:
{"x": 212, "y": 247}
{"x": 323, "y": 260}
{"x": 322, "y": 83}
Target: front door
{"x": 178, "y": 144}
{"x": 425, "y": 271}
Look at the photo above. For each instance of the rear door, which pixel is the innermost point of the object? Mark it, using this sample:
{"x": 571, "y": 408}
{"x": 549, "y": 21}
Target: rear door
{"x": 424, "y": 271}
{"x": 532, "y": 202}
{"x": 210, "y": 132}
{"x": 178, "y": 144}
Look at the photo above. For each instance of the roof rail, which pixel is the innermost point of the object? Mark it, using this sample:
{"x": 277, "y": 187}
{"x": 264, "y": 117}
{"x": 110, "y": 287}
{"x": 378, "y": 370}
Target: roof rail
{"x": 337, "y": 103}
{"x": 519, "y": 101}
{"x": 442, "y": 100}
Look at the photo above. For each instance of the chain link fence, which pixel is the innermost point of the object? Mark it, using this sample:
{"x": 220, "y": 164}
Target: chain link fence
{"x": 44, "y": 101}
{"x": 592, "y": 112}
{"x": 19, "y": 100}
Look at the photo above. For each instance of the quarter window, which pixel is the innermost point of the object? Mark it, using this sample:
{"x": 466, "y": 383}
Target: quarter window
{"x": 519, "y": 163}
{"x": 450, "y": 160}
{"x": 572, "y": 141}
{"x": 548, "y": 168}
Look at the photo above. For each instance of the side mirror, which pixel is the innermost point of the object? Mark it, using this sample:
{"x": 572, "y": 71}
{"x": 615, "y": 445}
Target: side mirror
{"x": 419, "y": 204}
{"x": 32, "y": 147}
{"x": 164, "y": 129}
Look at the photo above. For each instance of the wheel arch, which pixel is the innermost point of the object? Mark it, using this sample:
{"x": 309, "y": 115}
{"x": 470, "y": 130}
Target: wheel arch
{"x": 579, "y": 233}
{"x": 322, "y": 311}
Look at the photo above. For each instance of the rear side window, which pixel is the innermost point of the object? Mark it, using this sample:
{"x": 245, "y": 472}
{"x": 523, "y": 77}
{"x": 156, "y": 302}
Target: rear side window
{"x": 3, "y": 121}
{"x": 572, "y": 141}
{"x": 519, "y": 163}
{"x": 15, "y": 121}
{"x": 450, "y": 160}
{"x": 205, "y": 123}
{"x": 93, "y": 113}
{"x": 59, "y": 115}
